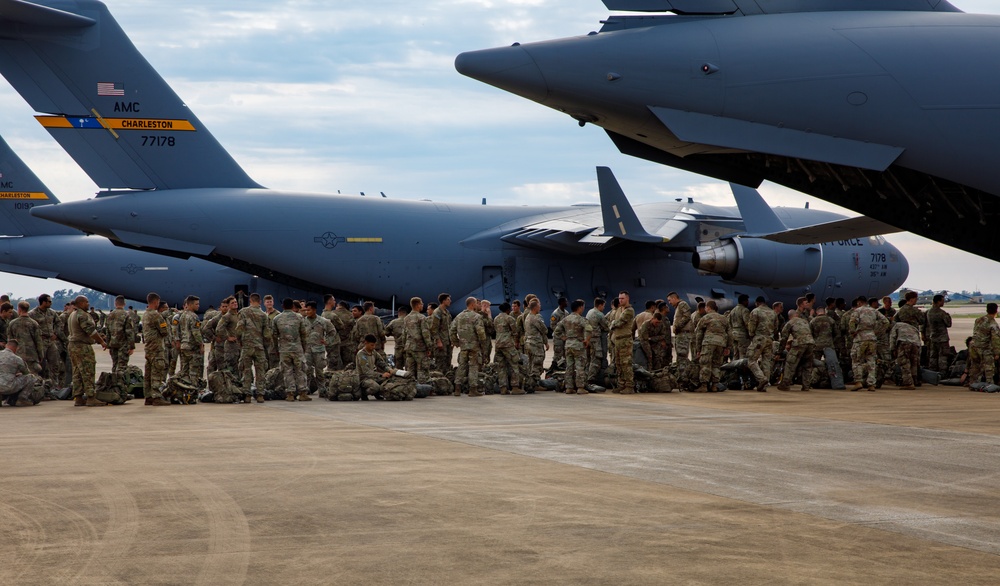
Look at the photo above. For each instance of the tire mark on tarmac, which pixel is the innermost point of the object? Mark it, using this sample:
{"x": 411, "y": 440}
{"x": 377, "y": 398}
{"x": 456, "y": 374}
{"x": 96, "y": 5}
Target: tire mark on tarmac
{"x": 123, "y": 525}
{"x": 77, "y": 551}
{"x": 228, "y": 555}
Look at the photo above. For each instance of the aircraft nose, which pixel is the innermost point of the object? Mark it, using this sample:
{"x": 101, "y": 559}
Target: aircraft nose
{"x": 509, "y": 68}
{"x": 902, "y": 267}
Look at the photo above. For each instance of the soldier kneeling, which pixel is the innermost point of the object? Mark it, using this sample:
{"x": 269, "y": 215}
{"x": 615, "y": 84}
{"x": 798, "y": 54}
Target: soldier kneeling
{"x": 18, "y": 385}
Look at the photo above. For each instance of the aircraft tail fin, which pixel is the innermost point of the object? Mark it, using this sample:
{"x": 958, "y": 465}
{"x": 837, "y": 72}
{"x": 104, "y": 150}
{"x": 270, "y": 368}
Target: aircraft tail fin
{"x": 21, "y": 190}
{"x": 620, "y": 220}
{"x": 104, "y": 103}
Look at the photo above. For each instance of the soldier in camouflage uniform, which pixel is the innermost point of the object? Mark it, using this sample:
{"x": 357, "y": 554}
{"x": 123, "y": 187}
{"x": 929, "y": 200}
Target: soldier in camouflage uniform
{"x": 713, "y": 339}
{"x": 909, "y": 313}
{"x": 371, "y": 368}
{"x": 6, "y": 313}
{"x": 598, "y": 352}
{"x": 507, "y": 357}
{"x": 48, "y": 358}
{"x": 369, "y": 323}
{"x": 418, "y": 342}
{"x": 467, "y": 332}
{"x": 654, "y": 336}
{"x": 984, "y": 351}
{"x": 173, "y": 355}
{"x": 231, "y": 341}
{"x": 622, "y": 324}
{"x": 82, "y": 336}
{"x": 255, "y": 332}
{"x": 939, "y": 344}
{"x": 155, "y": 337}
{"x": 322, "y": 335}
{"x": 578, "y": 333}
{"x": 762, "y": 326}
{"x": 904, "y": 343}
{"x": 882, "y": 327}
{"x": 17, "y": 383}
{"x": 862, "y": 323}
{"x": 29, "y": 338}
{"x": 825, "y": 332}
{"x": 210, "y": 333}
{"x": 121, "y": 337}
{"x": 271, "y": 347}
{"x": 190, "y": 343}
{"x": 397, "y": 329}
{"x": 487, "y": 313}
{"x": 344, "y": 330}
{"x": 440, "y": 326}
{"x": 683, "y": 333}
{"x": 797, "y": 339}
{"x": 333, "y": 358}
{"x": 522, "y": 335}
{"x": 738, "y": 319}
{"x": 536, "y": 343}
{"x": 292, "y": 337}
{"x": 558, "y": 348}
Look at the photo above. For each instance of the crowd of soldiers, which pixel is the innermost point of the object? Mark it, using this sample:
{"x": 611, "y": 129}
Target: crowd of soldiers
{"x": 305, "y": 345}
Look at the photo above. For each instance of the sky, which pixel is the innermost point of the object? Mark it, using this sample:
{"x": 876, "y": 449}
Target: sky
{"x": 322, "y": 96}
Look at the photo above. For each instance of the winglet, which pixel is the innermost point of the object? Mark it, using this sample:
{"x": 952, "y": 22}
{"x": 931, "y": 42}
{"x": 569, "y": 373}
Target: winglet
{"x": 620, "y": 220}
{"x": 758, "y": 218}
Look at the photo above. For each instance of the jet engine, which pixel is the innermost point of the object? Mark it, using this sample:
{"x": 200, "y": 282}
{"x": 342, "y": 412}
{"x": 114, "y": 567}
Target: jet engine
{"x": 761, "y": 263}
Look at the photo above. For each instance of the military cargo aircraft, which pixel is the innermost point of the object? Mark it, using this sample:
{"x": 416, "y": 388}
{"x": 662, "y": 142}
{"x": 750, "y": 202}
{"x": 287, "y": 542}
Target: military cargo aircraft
{"x": 885, "y": 107}
{"x": 38, "y": 248}
{"x": 131, "y": 133}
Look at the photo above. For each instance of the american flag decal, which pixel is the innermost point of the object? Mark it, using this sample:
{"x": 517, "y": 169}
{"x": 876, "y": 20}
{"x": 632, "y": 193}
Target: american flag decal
{"x": 105, "y": 88}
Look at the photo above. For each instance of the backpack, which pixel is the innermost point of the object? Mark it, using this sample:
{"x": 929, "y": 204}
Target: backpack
{"x": 179, "y": 390}
{"x": 662, "y": 381}
{"x": 344, "y": 385}
{"x": 398, "y": 388}
{"x": 111, "y": 389}
{"x": 223, "y": 387}
{"x": 274, "y": 381}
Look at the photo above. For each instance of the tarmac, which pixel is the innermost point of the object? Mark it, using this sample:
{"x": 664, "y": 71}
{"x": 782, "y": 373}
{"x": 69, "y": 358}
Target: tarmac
{"x": 824, "y": 487}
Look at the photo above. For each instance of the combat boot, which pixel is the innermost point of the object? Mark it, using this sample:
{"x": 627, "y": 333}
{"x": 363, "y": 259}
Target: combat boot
{"x": 290, "y": 396}
{"x": 304, "y": 397}
{"x": 80, "y": 401}
{"x": 582, "y": 392}
{"x": 504, "y": 391}
{"x": 148, "y": 401}
{"x": 475, "y": 394}
{"x": 260, "y": 398}
{"x": 908, "y": 388}
{"x": 247, "y": 398}
{"x": 762, "y": 387}
{"x": 783, "y": 387}
{"x": 95, "y": 402}
{"x": 24, "y": 402}
{"x": 857, "y": 387}
{"x": 159, "y": 402}
{"x": 517, "y": 391}
{"x": 570, "y": 392}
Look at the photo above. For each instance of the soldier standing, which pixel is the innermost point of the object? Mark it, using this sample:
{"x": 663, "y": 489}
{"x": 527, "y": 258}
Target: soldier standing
{"x": 155, "y": 337}
{"x": 862, "y": 324}
{"x": 397, "y": 329}
{"x": 369, "y": 323}
{"x": 558, "y": 347}
{"x": 622, "y": 324}
{"x": 333, "y": 361}
{"x": 653, "y": 336}
{"x": 507, "y": 357}
{"x": 26, "y": 331}
{"x": 683, "y": 333}
{"x": 190, "y": 343}
{"x": 226, "y": 329}
{"x": 121, "y": 337}
{"x": 713, "y": 339}
{"x": 938, "y": 322}
{"x": 6, "y": 312}
{"x": 418, "y": 342}
{"x": 271, "y": 347}
{"x": 985, "y": 348}
{"x": 467, "y": 332}
{"x": 486, "y": 312}
{"x": 322, "y": 335}
{"x": 440, "y": 325}
{"x": 292, "y": 338}
{"x": 48, "y": 358}
{"x": 797, "y": 340}
{"x": 904, "y": 343}
{"x": 598, "y": 352}
{"x": 536, "y": 342}
{"x": 347, "y": 351}
{"x": 255, "y": 332}
{"x": 825, "y": 332}
{"x": 761, "y": 327}
{"x": 82, "y": 336}
{"x": 738, "y": 319}
{"x": 210, "y": 332}
{"x": 578, "y": 335}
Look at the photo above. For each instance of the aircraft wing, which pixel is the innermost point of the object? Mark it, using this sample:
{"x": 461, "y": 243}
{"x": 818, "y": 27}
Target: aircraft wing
{"x": 849, "y": 229}
{"x": 750, "y": 7}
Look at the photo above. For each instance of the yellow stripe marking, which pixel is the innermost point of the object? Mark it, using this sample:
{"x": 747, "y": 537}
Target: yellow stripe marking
{"x": 54, "y": 121}
{"x": 621, "y": 226}
{"x": 149, "y": 124}
{"x": 365, "y": 240}
{"x": 614, "y": 208}
{"x": 22, "y": 195}
{"x": 104, "y": 123}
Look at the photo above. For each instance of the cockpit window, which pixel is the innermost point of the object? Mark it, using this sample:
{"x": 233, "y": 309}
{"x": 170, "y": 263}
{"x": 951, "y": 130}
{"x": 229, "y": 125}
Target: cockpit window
{"x": 876, "y": 240}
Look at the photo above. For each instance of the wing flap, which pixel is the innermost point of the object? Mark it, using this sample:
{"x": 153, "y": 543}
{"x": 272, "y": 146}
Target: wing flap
{"x": 748, "y": 7}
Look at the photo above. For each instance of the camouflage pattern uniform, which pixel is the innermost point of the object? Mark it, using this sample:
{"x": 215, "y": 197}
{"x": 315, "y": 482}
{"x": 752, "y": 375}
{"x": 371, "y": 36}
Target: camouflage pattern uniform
{"x": 369, "y": 324}
{"x": 322, "y": 335}
{"x": 862, "y": 323}
{"x": 254, "y": 330}
{"x": 655, "y": 342}
{"x": 418, "y": 342}
{"x": 761, "y": 327}
{"x": 173, "y": 354}
{"x": 984, "y": 349}
{"x": 487, "y": 348}
{"x": 578, "y": 335}
{"x": 292, "y": 336}
{"x": 711, "y": 336}
{"x": 210, "y": 332}
{"x": 81, "y": 353}
{"x": 535, "y": 335}
{"x": 847, "y": 341}
{"x": 155, "y": 337}
{"x": 3, "y": 331}
{"x": 271, "y": 348}
{"x": 230, "y": 348}
{"x": 11, "y": 365}
{"x": 825, "y": 332}
{"x": 621, "y": 323}
{"x": 558, "y": 342}
{"x": 467, "y": 332}
{"x": 738, "y": 318}
{"x": 370, "y": 368}
{"x": 347, "y": 351}
{"x": 683, "y": 334}
{"x": 121, "y": 340}
{"x": 333, "y": 358}
{"x": 440, "y": 326}
{"x": 598, "y": 351}
{"x": 938, "y": 322}
{"x": 29, "y": 341}
{"x": 904, "y": 341}
{"x": 799, "y": 358}
{"x": 192, "y": 352}
{"x": 397, "y": 329}
{"x": 49, "y": 358}
{"x": 507, "y": 357}
{"x": 61, "y": 330}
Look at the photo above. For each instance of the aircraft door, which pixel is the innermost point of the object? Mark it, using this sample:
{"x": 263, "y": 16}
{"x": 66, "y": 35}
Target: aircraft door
{"x": 873, "y": 290}
{"x": 493, "y": 289}
{"x": 556, "y": 282}
{"x": 242, "y": 294}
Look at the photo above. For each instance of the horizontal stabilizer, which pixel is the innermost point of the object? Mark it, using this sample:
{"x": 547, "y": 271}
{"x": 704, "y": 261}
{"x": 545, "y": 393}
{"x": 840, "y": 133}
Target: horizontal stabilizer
{"x": 750, "y": 7}
{"x": 849, "y": 229}
{"x": 762, "y": 138}
{"x": 758, "y": 217}
{"x": 37, "y": 15}
{"x": 620, "y": 220}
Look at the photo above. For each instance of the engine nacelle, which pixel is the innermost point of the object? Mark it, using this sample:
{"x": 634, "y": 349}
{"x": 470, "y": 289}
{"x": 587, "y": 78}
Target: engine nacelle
{"x": 762, "y": 263}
